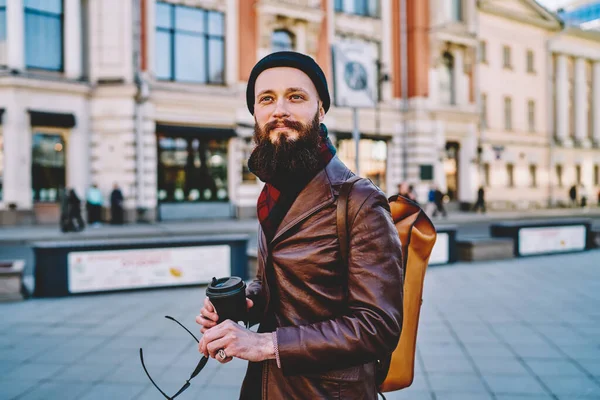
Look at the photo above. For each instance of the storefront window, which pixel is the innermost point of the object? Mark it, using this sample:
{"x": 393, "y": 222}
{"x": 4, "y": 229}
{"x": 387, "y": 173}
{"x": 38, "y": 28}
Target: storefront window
{"x": 372, "y": 158}
{"x": 247, "y": 176}
{"x": 192, "y": 169}
{"x": 48, "y": 172}
{"x": 1, "y": 166}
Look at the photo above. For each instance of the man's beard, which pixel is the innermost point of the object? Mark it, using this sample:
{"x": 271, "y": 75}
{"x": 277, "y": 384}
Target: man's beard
{"x": 286, "y": 159}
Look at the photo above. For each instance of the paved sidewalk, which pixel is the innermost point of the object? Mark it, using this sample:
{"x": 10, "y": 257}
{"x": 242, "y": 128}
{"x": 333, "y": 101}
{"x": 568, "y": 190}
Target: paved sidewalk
{"x": 511, "y": 330}
{"x": 24, "y": 234}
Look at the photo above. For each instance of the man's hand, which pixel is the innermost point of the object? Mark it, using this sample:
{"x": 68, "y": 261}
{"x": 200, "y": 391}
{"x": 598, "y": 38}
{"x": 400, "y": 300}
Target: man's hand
{"x": 236, "y": 341}
{"x": 208, "y": 317}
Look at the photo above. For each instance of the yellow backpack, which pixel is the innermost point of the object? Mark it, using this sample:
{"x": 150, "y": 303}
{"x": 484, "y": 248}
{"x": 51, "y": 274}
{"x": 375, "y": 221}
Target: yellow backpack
{"x": 417, "y": 236}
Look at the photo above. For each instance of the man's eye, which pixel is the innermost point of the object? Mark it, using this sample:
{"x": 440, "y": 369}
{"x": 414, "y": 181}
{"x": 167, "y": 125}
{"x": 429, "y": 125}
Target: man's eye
{"x": 296, "y": 97}
{"x": 266, "y": 99}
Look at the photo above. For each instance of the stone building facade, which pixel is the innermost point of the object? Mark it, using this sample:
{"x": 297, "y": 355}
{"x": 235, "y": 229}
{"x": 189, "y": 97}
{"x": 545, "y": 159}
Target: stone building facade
{"x": 150, "y": 95}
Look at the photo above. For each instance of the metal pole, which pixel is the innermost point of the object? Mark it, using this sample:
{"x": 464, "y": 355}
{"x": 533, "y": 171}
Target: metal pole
{"x": 356, "y": 137}
{"x": 404, "y": 86}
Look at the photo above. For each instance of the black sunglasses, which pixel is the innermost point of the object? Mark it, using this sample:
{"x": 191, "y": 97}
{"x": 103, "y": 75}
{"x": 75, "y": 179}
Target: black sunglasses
{"x": 199, "y": 367}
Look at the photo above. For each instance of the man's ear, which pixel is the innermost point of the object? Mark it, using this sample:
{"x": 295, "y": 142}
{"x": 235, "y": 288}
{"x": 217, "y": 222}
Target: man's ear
{"x": 321, "y": 111}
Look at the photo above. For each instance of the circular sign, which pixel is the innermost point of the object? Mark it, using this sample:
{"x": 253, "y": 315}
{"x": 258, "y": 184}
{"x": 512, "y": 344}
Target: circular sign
{"x": 355, "y": 75}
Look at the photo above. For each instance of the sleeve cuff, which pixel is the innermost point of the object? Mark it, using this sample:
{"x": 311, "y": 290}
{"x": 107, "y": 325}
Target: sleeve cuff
{"x": 276, "y": 347}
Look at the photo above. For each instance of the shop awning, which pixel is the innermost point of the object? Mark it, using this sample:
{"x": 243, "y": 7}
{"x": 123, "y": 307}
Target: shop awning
{"x": 51, "y": 119}
{"x": 195, "y": 131}
{"x": 1, "y": 112}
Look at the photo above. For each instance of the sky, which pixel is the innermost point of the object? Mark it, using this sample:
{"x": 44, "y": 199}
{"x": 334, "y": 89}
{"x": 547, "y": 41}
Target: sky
{"x": 553, "y": 4}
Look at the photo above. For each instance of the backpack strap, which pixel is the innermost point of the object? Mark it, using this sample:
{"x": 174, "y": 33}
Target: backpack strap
{"x": 342, "y": 216}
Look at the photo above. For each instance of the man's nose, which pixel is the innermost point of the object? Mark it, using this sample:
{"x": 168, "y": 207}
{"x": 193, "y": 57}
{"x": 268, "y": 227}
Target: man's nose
{"x": 281, "y": 109}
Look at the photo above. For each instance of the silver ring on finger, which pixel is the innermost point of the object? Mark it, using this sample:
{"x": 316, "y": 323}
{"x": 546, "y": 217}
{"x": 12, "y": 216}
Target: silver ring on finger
{"x": 222, "y": 355}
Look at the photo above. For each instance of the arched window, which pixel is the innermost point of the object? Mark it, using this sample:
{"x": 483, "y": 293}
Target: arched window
{"x": 282, "y": 40}
{"x": 446, "y": 79}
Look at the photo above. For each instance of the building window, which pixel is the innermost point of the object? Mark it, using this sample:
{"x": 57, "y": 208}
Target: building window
{"x": 531, "y": 115}
{"x": 484, "y": 111}
{"x": 578, "y": 174}
{"x": 483, "y": 51}
{"x": 1, "y": 165}
{"x": 510, "y": 175}
{"x": 486, "y": 174}
{"x": 192, "y": 169}
{"x": 3, "y": 53}
{"x": 191, "y": 44}
{"x": 368, "y": 8}
{"x": 373, "y": 158}
{"x": 506, "y": 62}
{"x": 530, "y": 61}
{"x": 596, "y": 175}
{"x": 446, "y": 79}
{"x": 508, "y": 114}
{"x": 533, "y": 175}
{"x": 44, "y": 34}
{"x": 559, "y": 175}
{"x": 456, "y": 13}
{"x": 48, "y": 166}
{"x": 282, "y": 40}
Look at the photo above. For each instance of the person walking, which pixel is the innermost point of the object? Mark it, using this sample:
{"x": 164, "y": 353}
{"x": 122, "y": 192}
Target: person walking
{"x": 94, "y": 205}
{"x": 573, "y": 195}
{"x": 438, "y": 200}
{"x": 74, "y": 221}
{"x": 480, "y": 203}
{"x": 116, "y": 205}
{"x": 323, "y": 325}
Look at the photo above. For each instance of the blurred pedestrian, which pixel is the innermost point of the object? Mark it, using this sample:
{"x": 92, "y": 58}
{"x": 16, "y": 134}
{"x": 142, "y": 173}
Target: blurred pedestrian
{"x": 583, "y": 196}
{"x": 94, "y": 205}
{"x": 116, "y": 205}
{"x": 71, "y": 219}
{"x": 438, "y": 199}
{"x": 573, "y": 195}
{"x": 431, "y": 200}
{"x": 412, "y": 193}
{"x": 480, "y": 203}
{"x": 403, "y": 189}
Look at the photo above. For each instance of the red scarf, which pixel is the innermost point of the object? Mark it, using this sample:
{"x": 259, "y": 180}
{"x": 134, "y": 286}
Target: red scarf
{"x": 274, "y": 204}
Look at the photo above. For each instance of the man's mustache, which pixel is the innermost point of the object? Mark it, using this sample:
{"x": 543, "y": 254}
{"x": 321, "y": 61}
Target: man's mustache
{"x": 295, "y": 125}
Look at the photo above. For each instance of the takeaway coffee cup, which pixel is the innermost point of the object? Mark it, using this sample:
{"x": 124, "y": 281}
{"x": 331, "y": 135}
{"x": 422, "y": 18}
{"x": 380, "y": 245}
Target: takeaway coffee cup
{"x": 228, "y": 295}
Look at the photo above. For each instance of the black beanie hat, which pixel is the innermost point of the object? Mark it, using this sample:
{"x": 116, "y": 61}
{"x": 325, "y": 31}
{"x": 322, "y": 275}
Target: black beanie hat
{"x": 294, "y": 60}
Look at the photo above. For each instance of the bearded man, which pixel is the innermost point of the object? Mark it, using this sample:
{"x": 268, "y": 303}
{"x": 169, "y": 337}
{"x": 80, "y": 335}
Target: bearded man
{"x": 327, "y": 328}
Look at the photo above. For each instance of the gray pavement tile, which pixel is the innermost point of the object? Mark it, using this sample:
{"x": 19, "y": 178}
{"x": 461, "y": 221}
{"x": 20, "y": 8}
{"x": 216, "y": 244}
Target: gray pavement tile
{"x": 439, "y": 395}
{"x": 409, "y": 394}
{"x": 32, "y": 372}
{"x": 591, "y": 366}
{"x": 126, "y": 343}
{"x": 83, "y": 373}
{"x": 505, "y": 384}
{"x": 447, "y": 364}
{"x": 537, "y": 351}
{"x": 121, "y": 391}
{"x": 554, "y": 368}
{"x": 63, "y": 355}
{"x": 523, "y": 397}
{"x": 500, "y": 366}
{"x": 131, "y": 374}
{"x": 10, "y": 390}
{"x": 582, "y": 352}
{"x": 467, "y": 383}
{"x": 573, "y": 387}
{"x": 17, "y": 355}
{"x": 450, "y": 350}
{"x": 57, "y": 391}
{"x": 225, "y": 377}
{"x": 28, "y": 328}
{"x": 488, "y": 350}
{"x": 107, "y": 356}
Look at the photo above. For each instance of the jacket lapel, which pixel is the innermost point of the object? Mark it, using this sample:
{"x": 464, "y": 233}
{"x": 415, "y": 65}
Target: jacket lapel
{"x": 318, "y": 194}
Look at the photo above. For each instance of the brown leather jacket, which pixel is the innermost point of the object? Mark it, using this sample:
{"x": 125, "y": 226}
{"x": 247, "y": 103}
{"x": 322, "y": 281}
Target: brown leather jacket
{"x": 332, "y": 321}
